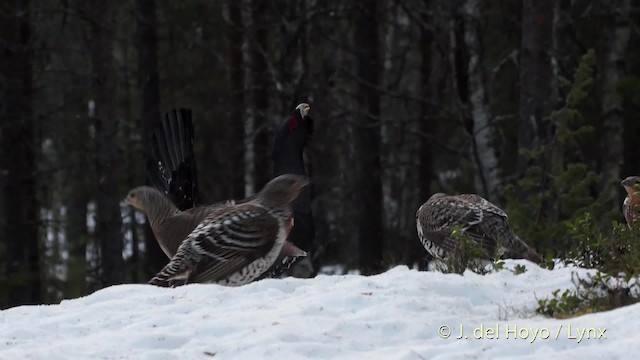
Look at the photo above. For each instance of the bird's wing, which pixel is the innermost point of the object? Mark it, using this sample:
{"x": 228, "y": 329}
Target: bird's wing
{"x": 231, "y": 241}
{"x": 481, "y": 203}
{"x": 222, "y": 244}
{"x": 446, "y": 212}
{"x": 496, "y": 227}
{"x": 171, "y": 166}
{"x": 627, "y": 212}
{"x": 437, "y": 242}
{"x": 175, "y": 229}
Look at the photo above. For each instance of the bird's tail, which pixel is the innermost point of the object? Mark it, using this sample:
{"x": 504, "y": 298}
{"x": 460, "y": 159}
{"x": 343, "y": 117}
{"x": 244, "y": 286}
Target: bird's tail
{"x": 181, "y": 263}
{"x": 524, "y": 251}
{"x": 171, "y": 166}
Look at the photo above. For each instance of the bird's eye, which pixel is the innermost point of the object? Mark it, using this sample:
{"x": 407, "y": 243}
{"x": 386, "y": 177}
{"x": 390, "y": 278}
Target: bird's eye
{"x": 132, "y": 195}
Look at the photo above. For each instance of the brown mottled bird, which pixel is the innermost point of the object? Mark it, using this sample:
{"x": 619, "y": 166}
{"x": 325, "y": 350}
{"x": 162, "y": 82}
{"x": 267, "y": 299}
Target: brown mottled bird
{"x": 478, "y": 218}
{"x": 169, "y": 224}
{"x": 236, "y": 243}
{"x": 171, "y": 169}
{"x": 631, "y": 205}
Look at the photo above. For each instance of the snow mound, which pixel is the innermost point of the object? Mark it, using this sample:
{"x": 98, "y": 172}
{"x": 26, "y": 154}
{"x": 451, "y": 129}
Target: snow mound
{"x": 400, "y": 314}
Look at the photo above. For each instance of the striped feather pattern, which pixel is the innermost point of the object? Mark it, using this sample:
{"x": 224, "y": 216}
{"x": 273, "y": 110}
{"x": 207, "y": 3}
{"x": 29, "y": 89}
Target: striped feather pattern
{"x": 236, "y": 243}
{"x": 478, "y": 218}
{"x": 224, "y": 243}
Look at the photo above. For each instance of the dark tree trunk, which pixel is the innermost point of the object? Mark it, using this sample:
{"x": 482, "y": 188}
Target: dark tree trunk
{"x": 536, "y": 76}
{"x": 235, "y": 125}
{"x": 79, "y": 180}
{"x": 22, "y": 284}
{"x": 614, "y": 43}
{"x": 427, "y": 130}
{"x": 108, "y": 218}
{"x": 366, "y": 139}
{"x": 147, "y": 40}
{"x": 76, "y": 225}
{"x": 260, "y": 90}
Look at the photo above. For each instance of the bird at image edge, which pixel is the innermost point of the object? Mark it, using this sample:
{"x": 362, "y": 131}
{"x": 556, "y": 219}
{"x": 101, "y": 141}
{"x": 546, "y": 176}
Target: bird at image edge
{"x": 631, "y": 204}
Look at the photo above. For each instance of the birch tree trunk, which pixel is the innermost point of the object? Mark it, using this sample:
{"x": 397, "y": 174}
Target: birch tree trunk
{"x": 615, "y": 41}
{"x": 487, "y": 179}
{"x": 256, "y": 153}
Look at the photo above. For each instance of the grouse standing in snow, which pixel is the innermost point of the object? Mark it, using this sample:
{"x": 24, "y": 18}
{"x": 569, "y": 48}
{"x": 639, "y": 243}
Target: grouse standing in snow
{"x": 289, "y": 144}
{"x": 237, "y": 243}
{"x": 631, "y": 205}
{"x": 171, "y": 169}
{"x": 482, "y": 221}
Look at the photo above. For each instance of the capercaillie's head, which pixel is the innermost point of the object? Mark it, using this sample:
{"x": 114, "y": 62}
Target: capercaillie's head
{"x": 141, "y": 197}
{"x": 631, "y": 184}
{"x": 303, "y": 109}
{"x": 282, "y": 190}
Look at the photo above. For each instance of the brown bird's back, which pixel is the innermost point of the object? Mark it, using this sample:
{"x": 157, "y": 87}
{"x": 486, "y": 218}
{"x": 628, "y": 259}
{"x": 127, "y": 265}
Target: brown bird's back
{"x": 476, "y": 217}
{"x": 237, "y": 243}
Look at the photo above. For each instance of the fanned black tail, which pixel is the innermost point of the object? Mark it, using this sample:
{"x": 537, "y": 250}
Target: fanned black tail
{"x": 171, "y": 167}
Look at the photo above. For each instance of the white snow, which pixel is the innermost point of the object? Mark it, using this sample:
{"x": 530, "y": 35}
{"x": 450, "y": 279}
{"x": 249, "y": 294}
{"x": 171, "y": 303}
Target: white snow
{"x": 394, "y": 315}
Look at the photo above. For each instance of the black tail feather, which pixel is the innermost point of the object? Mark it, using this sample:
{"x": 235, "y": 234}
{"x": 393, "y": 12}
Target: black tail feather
{"x": 171, "y": 167}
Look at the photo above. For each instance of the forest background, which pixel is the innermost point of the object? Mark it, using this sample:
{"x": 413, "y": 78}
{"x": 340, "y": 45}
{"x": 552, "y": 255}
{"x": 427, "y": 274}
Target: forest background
{"x": 532, "y": 104}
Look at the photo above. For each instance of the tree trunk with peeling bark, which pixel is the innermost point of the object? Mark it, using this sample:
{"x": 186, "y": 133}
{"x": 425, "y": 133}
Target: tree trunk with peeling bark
{"x": 257, "y": 159}
{"x": 487, "y": 179}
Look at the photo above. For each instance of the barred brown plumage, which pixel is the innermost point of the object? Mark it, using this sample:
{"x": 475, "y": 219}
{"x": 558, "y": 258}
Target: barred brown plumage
{"x": 631, "y": 204}
{"x": 171, "y": 169}
{"x": 478, "y": 218}
{"x": 170, "y": 226}
{"x": 236, "y": 243}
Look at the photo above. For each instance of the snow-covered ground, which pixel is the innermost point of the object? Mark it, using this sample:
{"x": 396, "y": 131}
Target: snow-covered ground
{"x": 394, "y": 315}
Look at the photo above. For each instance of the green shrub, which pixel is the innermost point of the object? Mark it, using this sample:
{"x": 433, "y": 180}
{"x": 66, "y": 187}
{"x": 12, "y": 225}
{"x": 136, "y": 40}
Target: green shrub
{"x": 616, "y": 257}
{"x": 558, "y": 184}
{"x": 613, "y": 253}
{"x": 468, "y": 254}
{"x": 599, "y": 292}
